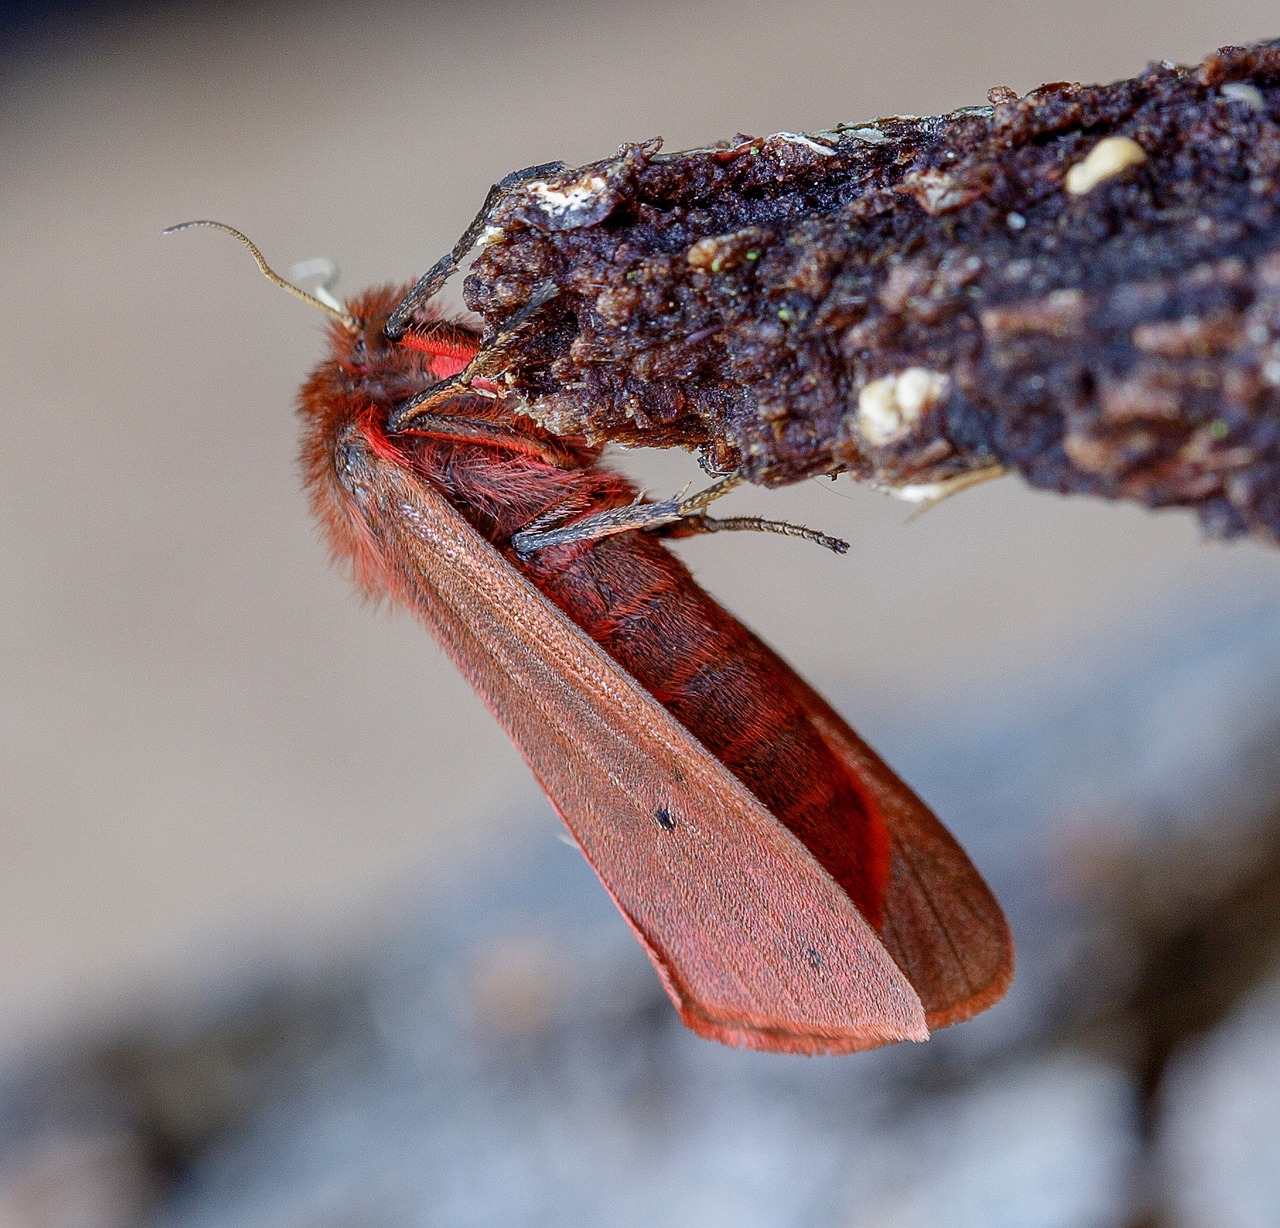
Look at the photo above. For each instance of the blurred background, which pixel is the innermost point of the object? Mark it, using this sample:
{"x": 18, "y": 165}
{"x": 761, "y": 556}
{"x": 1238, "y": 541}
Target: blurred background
{"x": 286, "y": 933}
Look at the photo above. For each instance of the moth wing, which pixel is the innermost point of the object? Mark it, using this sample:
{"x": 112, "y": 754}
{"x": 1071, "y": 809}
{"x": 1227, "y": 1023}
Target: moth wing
{"x": 755, "y": 943}
{"x": 942, "y": 924}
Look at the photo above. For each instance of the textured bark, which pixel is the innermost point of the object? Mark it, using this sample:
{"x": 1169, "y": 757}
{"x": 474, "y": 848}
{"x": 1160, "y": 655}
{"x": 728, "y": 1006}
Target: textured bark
{"x": 915, "y": 299}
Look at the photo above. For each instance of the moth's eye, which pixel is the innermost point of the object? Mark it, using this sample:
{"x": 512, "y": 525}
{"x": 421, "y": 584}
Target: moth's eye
{"x": 356, "y": 358}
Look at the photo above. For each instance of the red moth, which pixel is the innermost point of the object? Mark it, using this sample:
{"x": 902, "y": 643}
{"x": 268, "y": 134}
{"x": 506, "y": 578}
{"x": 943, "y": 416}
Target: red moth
{"x": 793, "y": 894}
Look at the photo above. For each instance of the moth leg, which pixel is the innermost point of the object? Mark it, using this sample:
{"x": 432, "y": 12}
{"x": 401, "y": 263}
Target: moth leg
{"x": 758, "y": 524}
{"x": 694, "y": 520}
{"x": 492, "y": 434}
{"x": 680, "y": 516}
{"x": 488, "y": 361}
{"x": 427, "y": 286}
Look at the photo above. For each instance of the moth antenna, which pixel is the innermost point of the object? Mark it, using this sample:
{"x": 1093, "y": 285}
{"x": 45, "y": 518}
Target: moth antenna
{"x": 326, "y": 271}
{"x": 328, "y": 304}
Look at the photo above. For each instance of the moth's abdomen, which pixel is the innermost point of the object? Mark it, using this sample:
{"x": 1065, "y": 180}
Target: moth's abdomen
{"x": 643, "y": 607}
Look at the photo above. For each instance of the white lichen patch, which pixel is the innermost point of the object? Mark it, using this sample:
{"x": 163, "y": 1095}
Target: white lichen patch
{"x": 1242, "y": 91}
{"x": 863, "y": 132}
{"x": 799, "y": 138}
{"x": 705, "y": 252}
{"x": 716, "y": 253}
{"x": 919, "y": 389}
{"x": 567, "y": 198}
{"x": 925, "y": 494}
{"x": 1109, "y": 157}
{"x": 890, "y": 406}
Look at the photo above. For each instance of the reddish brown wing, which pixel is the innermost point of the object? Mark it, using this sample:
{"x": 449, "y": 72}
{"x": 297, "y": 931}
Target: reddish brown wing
{"x": 753, "y": 940}
{"x": 942, "y": 925}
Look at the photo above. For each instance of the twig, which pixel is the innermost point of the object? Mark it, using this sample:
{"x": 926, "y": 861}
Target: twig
{"x": 1081, "y": 285}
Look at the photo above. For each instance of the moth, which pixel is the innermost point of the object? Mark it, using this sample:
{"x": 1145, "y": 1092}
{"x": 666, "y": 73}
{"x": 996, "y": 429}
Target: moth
{"x": 791, "y": 891}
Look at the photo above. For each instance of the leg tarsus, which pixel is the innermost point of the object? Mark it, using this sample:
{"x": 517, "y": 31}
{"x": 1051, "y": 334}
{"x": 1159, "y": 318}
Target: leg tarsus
{"x": 679, "y": 516}
{"x": 758, "y": 524}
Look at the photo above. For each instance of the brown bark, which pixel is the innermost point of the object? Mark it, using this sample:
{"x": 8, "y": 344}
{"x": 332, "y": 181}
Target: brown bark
{"x": 1081, "y": 285}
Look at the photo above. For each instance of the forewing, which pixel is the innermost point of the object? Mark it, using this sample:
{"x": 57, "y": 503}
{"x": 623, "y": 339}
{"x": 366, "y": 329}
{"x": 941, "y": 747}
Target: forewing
{"x": 942, "y": 924}
{"x": 753, "y": 940}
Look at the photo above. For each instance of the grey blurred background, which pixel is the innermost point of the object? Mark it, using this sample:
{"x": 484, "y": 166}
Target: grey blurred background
{"x": 213, "y": 754}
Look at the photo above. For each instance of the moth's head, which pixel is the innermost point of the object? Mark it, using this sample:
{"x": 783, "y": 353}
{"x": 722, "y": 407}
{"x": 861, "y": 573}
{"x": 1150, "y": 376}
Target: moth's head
{"x": 358, "y": 336}
{"x": 345, "y": 402}
{"x": 362, "y": 362}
